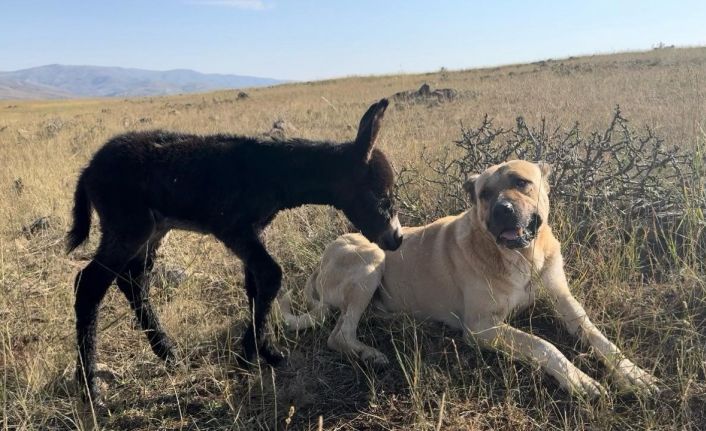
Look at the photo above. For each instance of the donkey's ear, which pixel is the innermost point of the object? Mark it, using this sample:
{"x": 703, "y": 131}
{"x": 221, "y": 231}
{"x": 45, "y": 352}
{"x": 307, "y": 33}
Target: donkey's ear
{"x": 470, "y": 187}
{"x": 369, "y": 127}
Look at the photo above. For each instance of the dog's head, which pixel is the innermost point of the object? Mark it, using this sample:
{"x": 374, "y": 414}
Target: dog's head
{"x": 511, "y": 201}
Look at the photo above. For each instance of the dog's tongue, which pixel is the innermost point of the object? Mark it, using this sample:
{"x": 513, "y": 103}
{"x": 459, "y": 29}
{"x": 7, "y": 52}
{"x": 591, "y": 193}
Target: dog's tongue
{"x": 511, "y": 234}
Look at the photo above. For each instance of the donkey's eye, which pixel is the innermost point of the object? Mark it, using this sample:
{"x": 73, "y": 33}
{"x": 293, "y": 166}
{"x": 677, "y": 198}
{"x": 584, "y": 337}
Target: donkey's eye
{"x": 385, "y": 204}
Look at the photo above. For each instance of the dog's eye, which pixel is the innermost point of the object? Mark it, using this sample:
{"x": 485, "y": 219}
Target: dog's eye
{"x": 521, "y": 183}
{"x": 484, "y": 194}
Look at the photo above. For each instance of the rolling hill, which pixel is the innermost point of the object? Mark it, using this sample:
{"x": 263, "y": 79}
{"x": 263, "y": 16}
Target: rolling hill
{"x": 60, "y": 81}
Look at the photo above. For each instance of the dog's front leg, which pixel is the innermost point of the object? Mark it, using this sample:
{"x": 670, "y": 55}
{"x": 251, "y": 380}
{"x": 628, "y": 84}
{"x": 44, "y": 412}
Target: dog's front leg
{"x": 535, "y": 350}
{"x": 628, "y": 375}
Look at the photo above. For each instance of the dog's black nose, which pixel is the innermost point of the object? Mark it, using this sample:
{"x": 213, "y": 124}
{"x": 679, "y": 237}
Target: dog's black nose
{"x": 503, "y": 209}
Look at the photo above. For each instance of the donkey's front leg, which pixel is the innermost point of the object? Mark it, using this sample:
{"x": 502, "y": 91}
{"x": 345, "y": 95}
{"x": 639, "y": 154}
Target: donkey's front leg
{"x": 262, "y": 288}
{"x": 263, "y": 278}
{"x": 628, "y": 375}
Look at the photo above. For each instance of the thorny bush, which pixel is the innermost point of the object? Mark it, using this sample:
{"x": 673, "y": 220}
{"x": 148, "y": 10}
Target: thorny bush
{"x": 616, "y": 186}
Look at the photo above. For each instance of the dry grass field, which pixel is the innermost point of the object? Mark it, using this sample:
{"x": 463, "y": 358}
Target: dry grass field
{"x": 436, "y": 381}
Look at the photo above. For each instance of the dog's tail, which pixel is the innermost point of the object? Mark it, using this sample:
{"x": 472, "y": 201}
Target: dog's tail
{"x": 81, "y": 215}
{"x": 317, "y": 308}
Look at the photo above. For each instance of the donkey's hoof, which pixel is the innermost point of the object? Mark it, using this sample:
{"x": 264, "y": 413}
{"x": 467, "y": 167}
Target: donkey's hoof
{"x": 91, "y": 399}
{"x": 272, "y": 355}
{"x": 170, "y": 358}
{"x": 99, "y": 406}
{"x": 89, "y": 387}
{"x": 164, "y": 349}
{"x": 95, "y": 408}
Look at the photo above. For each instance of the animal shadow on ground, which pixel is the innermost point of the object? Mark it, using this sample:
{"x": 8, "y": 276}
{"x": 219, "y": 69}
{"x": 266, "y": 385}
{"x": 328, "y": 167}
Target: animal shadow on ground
{"x": 428, "y": 361}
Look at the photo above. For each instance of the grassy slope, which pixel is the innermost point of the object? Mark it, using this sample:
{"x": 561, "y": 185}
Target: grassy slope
{"x": 44, "y": 144}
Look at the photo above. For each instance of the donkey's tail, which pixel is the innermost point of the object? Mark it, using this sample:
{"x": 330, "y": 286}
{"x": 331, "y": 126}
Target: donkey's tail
{"x": 81, "y": 215}
{"x": 317, "y": 308}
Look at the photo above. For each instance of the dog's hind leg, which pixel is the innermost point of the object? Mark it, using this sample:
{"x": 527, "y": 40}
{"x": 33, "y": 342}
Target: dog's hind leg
{"x": 135, "y": 286}
{"x": 317, "y": 307}
{"x": 357, "y": 296}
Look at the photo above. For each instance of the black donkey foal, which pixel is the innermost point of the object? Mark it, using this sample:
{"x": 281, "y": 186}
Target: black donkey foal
{"x": 143, "y": 184}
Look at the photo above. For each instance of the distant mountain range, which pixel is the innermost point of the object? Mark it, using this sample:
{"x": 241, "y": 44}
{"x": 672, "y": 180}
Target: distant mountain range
{"x": 57, "y": 81}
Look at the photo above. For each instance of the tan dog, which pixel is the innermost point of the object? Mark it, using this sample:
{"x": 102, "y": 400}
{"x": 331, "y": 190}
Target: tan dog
{"x": 470, "y": 271}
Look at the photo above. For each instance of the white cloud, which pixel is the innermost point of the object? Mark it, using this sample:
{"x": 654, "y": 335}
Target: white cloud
{"x": 238, "y": 4}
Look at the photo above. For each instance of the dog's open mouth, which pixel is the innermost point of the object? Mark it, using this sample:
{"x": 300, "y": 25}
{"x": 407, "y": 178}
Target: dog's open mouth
{"x": 518, "y": 236}
{"x": 512, "y": 234}
{"x": 514, "y": 238}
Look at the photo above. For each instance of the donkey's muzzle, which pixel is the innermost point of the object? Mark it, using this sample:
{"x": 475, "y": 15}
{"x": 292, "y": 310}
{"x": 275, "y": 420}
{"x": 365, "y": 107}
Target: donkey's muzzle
{"x": 391, "y": 239}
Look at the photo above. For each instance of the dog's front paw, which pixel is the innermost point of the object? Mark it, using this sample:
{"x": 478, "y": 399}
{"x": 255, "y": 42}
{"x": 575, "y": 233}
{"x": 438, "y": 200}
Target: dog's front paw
{"x": 580, "y": 384}
{"x": 630, "y": 377}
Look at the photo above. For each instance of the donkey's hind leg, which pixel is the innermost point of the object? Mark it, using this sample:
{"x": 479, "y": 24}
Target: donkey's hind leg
{"x": 134, "y": 284}
{"x": 114, "y": 252}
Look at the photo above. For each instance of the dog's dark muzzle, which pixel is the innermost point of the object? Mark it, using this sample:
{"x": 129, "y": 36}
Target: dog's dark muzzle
{"x": 509, "y": 228}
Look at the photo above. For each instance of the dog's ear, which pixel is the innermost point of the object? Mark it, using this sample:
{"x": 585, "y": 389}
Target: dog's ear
{"x": 470, "y": 187}
{"x": 546, "y": 169}
{"x": 369, "y": 128}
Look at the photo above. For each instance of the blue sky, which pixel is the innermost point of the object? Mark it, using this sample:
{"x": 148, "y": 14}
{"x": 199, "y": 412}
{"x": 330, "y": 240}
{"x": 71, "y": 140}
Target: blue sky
{"x": 307, "y": 39}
